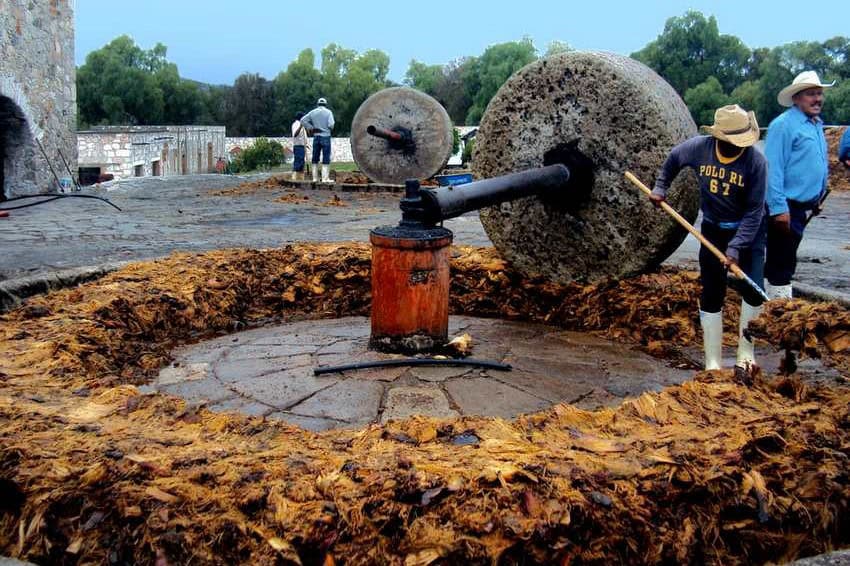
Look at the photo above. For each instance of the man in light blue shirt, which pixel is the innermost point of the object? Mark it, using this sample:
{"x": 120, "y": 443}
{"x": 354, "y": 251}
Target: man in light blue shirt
{"x": 796, "y": 154}
{"x": 844, "y": 148}
{"x": 320, "y": 121}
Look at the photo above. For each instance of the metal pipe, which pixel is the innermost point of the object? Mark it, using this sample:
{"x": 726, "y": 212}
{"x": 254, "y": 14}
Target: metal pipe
{"x": 449, "y": 202}
{"x": 413, "y": 362}
{"x": 384, "y": 134}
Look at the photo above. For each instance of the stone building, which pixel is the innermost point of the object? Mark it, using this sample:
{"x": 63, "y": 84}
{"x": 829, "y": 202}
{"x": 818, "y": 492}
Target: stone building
{"x": 37, "y": 95}
{"x": 340, "y": 147}
{"x": 142, "y": 151}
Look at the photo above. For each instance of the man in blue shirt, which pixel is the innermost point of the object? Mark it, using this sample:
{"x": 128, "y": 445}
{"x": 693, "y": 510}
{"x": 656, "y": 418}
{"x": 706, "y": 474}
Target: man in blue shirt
{"x": 320, "y": 121}
{"x": 796, "y": 153}
{"x": 844, "y": 148}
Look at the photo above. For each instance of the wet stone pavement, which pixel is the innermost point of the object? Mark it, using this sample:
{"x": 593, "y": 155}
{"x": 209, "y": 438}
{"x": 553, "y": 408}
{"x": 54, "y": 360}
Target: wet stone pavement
{"x": 269, "y": 372}
{"x": 165, "y": 214}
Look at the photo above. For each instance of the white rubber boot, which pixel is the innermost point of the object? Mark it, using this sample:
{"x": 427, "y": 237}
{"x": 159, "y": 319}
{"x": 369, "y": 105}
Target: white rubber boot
{"x": 778, "y": 291}
{"x": 712, "y": 338}
{"x": 746, "y": 355}
{"x": 326, "y": 174}
{"x": 315, "y": 171}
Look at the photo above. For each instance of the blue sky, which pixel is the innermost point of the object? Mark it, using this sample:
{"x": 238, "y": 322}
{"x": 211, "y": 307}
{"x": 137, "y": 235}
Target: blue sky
{"x": 214, "y": 40}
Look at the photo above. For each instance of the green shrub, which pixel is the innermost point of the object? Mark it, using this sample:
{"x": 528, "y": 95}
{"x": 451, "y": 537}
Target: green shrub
{"x": 455, "y": 140}
{"x": 467, "y": 150}
{"x": 264, "y": 154}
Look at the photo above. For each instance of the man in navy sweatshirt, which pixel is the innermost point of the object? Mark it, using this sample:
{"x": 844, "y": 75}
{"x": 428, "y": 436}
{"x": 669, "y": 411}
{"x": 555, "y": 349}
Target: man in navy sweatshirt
{"x": 732, "y": 176}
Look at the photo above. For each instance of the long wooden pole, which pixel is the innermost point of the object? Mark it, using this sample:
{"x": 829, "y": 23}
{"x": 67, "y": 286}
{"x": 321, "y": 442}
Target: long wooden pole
{"x": 734, "y": 268}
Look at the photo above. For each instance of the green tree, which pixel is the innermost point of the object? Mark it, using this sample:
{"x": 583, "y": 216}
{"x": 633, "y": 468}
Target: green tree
{"x": 424, "y": 77}
{"x": 458, "y": 87}
{"x": 183, "y": 102}
{"x": 334, "y": 67}
{"x": 367, "y": 74}
{"x": 296, "y": 89}
{"x": 838, "y": 48}
{"x": 836, "y": 108}
{"x": 691, "y": 49}
{"x": 250, "y": 106}
{"x": 556, "y": 46}
{"x": 747, "y": 94}
{"x": 216, "y": 101}
{"x": 116, "y": 85}
{"x": 348, "y": 79}
{"x": 122, "y": 84}
{"x": 493, "y": 68}
{"x": 704, "y": 99}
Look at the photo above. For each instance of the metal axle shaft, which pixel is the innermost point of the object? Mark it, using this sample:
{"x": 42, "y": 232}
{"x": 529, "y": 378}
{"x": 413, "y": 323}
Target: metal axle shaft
{"x": 449, "y": 202}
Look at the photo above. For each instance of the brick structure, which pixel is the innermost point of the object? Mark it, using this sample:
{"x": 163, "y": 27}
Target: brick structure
{"x": 143, "y": 151}
{"x": 37, "y": 95}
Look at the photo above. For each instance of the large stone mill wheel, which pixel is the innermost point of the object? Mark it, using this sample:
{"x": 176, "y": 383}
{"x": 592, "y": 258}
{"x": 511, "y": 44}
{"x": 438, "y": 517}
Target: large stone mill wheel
{"x": 411, "y": 111}
{"x": 600, "y": 114}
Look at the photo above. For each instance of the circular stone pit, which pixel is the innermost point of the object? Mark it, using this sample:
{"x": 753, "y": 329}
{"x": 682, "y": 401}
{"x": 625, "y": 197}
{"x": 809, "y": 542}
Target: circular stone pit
{"x": 269, "y": 372}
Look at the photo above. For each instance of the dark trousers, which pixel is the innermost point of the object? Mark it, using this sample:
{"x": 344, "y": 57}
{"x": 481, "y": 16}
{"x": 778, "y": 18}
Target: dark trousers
{"x": 298, "y": 153}
{"x": 782, "y": 246}
{"x": 322, "y": 144}
{"x": 713, "y": 273}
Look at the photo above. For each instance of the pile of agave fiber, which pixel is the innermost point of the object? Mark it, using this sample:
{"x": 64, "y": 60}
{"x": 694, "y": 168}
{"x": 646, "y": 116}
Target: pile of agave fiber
{"x": 710, "y": 471}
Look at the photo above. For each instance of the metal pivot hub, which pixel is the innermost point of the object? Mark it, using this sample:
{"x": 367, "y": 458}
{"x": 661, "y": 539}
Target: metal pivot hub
{"x": 398, "y": 138}
{"x": 410, "y": 281}
{"x": 410, "y": 262}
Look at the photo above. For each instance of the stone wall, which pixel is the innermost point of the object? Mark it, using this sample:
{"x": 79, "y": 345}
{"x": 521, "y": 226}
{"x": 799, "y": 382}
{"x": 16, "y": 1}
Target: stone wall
{"x": 340, "y": 147}
{"x": 37, "y": 94}
{"x": 142, "y": 151}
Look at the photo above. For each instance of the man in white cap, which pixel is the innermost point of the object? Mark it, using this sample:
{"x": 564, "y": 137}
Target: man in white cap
{"x": 798, "y": 168}
{"x": 732, "y": 177}
{"x": 320, "y": 121}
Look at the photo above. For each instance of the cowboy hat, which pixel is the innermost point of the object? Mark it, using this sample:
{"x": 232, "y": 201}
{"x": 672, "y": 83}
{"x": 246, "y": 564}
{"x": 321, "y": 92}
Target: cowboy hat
{"x": 735, "y": 125}
{"x": 803, "y": 81}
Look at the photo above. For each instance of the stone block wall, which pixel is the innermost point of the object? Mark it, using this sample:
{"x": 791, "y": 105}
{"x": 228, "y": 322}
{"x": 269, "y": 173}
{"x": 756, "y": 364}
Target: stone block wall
{"x": 37, "y": 94}
{"x": 142, "y": 151}
{"x": 340, "y": 147}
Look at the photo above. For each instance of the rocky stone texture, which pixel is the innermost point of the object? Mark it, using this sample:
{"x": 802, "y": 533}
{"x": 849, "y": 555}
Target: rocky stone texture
{"x": 37, "y": 94}
{"x": 269, "y": 372}
{"x": 401, "y": 107}
{"x": 596, "y": 112}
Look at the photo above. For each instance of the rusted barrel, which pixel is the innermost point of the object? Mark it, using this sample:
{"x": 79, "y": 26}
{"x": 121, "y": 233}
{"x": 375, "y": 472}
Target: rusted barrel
{"x": 410, "y": 288}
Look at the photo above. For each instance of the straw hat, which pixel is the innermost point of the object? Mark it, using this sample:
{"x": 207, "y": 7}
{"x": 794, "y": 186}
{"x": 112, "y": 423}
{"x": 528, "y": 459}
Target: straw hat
{"x": 806, "y": 79}
{"x": 735, "y": 125}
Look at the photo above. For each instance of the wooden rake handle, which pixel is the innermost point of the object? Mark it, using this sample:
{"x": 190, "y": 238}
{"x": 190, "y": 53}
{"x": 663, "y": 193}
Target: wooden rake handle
{"x": 703, "y": 240}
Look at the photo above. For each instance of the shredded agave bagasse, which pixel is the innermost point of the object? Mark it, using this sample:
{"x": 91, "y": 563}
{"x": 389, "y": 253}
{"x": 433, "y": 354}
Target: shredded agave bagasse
{"x": 93, "y": 472}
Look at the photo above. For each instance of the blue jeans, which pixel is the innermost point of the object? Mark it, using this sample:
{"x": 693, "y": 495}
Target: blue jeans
{"x": 322, "y": 144}
{"x": 298, "y": 153}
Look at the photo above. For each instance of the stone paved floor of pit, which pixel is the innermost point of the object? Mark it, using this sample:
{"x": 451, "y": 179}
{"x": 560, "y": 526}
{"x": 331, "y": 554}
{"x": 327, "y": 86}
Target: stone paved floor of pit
{"x": 269, "y": 372}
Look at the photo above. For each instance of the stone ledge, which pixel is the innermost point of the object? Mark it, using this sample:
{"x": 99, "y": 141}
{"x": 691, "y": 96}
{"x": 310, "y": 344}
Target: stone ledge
{"x": 14, "y": 291}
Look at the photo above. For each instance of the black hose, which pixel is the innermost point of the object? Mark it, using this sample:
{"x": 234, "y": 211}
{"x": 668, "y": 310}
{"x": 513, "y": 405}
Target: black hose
{"x": 48, "y": 197}
{"x": 413, "y": 362}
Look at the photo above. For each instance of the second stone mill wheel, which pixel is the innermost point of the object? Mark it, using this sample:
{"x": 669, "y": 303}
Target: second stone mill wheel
{"x": 600, "y": 114}
{"x": 400, "y": 133}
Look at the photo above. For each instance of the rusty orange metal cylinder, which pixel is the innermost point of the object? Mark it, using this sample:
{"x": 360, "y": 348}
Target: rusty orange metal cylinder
{"x": 410, "y": 288}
